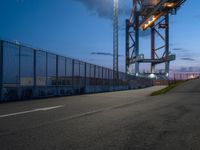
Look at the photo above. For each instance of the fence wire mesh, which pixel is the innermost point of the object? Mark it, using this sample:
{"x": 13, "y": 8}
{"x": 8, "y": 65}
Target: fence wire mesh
{"x": 29, "y": 73}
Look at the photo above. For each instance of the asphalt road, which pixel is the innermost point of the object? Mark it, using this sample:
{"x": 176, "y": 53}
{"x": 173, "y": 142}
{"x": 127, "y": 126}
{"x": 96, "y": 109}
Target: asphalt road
{"x": 126, "y": 120}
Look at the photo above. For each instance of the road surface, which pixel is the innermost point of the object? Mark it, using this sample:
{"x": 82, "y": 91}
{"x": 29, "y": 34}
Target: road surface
{"x": 126, "y": 120}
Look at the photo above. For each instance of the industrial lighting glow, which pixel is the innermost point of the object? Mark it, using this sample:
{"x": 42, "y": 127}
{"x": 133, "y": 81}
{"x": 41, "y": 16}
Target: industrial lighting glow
{"x": 191, "y": 77}
{"x": 169, "y": 4}
{"x": 152, "y": 76}
{"x": 149, "y": 22}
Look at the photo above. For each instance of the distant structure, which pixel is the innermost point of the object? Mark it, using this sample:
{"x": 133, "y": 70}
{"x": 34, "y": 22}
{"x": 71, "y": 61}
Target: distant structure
{"x": 153, "y": 15}
{"x": 115, "y": 40}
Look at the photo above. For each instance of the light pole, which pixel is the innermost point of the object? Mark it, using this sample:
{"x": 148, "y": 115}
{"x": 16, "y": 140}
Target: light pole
{"x": 115, "y": 39}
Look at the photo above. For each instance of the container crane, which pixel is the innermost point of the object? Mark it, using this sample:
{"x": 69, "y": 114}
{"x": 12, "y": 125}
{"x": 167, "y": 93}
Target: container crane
{"x": 153, "y": 15}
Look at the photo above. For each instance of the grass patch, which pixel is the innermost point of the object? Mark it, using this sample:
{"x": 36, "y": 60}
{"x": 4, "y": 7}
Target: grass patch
{"x": 168, "y": 88}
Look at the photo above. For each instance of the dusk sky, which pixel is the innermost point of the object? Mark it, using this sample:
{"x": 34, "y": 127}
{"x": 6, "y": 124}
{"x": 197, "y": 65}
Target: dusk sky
{"x": 83, "y": 29}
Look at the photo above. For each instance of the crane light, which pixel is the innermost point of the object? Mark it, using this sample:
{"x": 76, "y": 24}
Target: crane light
{"x": 152, "y": 76}
{"x": 169, "y": 4}
{"x": 149, "y": 21}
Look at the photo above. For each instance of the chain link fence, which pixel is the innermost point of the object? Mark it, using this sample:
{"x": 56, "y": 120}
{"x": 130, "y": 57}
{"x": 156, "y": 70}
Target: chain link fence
{"x": 185, "y": 75}
{"x": 28, "y": 73}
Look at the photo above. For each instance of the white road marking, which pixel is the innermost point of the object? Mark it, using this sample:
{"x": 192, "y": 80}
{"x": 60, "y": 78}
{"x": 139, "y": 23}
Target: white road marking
{"x": 97, "y": 111}
{"x": 30, "y": 111}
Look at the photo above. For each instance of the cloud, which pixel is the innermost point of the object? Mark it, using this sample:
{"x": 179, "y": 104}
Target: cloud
{"x": 197, "y": 17}
{"x": 188, "y": 59}
{"x": 187, "y": 69}
{"x": 104, "y": 54}
{"x": 179, "y": 49}
{"x": 103, "y": 8}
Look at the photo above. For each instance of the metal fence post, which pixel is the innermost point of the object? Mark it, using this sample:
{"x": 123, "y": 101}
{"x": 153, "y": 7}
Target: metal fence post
{"x": 57, "y": 74}
{"x": 19, "y": 85}
{"x": 90, "y": 71}
{"x": 95, "y": 75}
{"x": 90, "y": 74}
{"x": 79, "y": 75}
{"x": 34, "y": 71}
{"x": 73, "y": 74}
{"x": 65, "y": 69}
{"x": 46, "y": 73}
{"x": 1, "y": 70}
{"x": 109, "y": 77}
{"x": 101, "y": 75}
{"x": 85, "y": 74}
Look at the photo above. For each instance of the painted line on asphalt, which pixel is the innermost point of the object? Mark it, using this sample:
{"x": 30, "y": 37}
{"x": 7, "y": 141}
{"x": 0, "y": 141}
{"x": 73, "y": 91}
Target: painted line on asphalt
{"x": 99, "y": 111}
{"x": 31, "y": 111}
